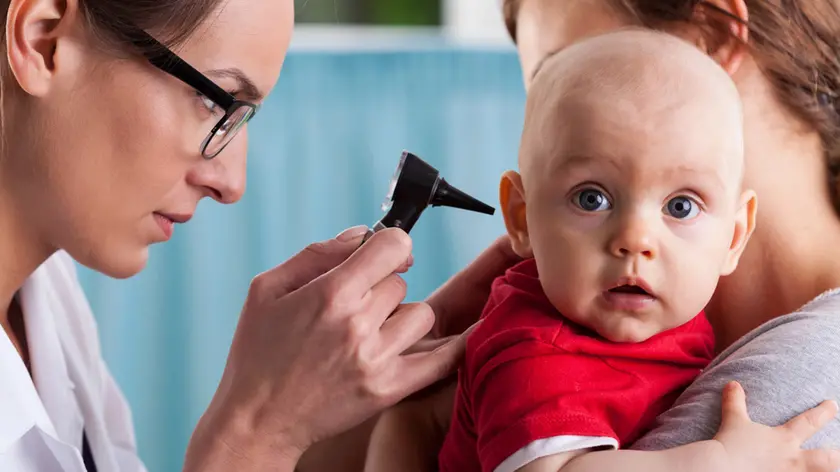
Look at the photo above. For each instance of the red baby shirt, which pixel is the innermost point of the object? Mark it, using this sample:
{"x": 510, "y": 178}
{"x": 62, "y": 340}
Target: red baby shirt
{"x": 534, "y": 384}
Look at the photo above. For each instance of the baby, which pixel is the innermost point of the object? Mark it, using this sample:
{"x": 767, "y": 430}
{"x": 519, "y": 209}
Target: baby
{"x": 627, "y": 209}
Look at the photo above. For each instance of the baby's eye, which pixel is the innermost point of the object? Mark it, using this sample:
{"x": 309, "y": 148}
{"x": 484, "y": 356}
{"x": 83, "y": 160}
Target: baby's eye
{"x": 591, "y": 199}
{"x": 681, "y": 208}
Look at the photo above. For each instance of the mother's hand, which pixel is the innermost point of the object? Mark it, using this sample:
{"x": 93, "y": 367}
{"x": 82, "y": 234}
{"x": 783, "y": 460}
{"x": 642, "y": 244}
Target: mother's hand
{"x": 318, "y": 349}
{"x": 458, "y": 303}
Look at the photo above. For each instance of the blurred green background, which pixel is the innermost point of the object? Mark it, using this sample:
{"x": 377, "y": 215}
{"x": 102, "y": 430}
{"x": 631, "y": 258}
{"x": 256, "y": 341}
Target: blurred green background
{"x": 370, "y": 12}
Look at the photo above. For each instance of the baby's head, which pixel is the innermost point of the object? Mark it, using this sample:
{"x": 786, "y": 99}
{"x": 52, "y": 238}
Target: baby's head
{"x": 630, "y": 196}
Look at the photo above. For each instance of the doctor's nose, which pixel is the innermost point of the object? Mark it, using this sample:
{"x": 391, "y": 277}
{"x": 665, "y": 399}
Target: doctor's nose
{"x": 223, "y": 178}
{"x": 633, "y": 238}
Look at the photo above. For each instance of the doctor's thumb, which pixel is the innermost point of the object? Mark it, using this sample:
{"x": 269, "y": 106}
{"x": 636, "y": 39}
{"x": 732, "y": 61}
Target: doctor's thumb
{"x": 352, "y": 234}
{"x": 313, "y": 261}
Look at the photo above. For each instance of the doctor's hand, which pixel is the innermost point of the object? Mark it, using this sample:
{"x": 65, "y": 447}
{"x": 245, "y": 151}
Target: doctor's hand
{"x": 320, "y": 347}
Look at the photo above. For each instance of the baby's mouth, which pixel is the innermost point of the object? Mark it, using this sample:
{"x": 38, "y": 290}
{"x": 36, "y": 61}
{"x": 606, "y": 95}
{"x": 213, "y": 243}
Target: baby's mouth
{"x": 630, "y": 289}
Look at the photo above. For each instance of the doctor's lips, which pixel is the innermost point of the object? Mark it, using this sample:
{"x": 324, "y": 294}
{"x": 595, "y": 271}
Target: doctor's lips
{"x": 166, "y": 221}
{"x": 177, "y": 217}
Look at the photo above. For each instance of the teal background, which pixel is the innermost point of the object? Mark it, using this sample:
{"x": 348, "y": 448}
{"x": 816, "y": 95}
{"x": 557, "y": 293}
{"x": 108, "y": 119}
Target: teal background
{"x": 321, "y": 152}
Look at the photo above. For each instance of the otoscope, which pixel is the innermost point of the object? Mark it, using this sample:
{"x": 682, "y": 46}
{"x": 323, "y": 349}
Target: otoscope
{"x": 414, "y": 186}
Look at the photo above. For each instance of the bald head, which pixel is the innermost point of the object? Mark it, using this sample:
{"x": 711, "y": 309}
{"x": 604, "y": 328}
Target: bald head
{"x": 637, "y": 89}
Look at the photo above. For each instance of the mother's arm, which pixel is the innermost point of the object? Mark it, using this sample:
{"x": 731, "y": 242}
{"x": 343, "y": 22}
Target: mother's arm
{"x": 457, "y": 305}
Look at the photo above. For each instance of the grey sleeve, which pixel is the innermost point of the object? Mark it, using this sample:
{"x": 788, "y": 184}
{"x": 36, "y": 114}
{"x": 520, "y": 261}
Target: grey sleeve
{"x": 786, "y": 366}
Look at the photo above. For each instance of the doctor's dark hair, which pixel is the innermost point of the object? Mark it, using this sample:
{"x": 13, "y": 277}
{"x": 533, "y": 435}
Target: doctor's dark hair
{"x": 796, "y": 43}
{"x": 111, "y": 22}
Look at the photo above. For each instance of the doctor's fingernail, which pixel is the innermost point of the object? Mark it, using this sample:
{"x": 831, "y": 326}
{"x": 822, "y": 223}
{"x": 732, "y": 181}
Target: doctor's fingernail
{"x": 352, "y": 233}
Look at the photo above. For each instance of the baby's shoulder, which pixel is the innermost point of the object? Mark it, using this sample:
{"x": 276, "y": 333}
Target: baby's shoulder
{"x": 515, "y": 326}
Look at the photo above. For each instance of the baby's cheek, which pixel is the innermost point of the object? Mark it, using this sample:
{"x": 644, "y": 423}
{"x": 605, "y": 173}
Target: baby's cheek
{"x": 568, "y": 278}
{"x": 694, "y": 283}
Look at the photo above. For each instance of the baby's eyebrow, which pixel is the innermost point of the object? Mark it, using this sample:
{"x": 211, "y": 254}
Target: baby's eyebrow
{"x": 582, "y": 160}
{"x": 575, "y": 162}
{"x": 710, "y": 174}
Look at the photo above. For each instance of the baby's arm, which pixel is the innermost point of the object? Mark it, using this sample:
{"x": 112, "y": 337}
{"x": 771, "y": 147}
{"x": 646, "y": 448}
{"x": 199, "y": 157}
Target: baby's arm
{"x": 739, "y": 445}
{"x": 407, "y": 436}
{"x": 394, "y": 445}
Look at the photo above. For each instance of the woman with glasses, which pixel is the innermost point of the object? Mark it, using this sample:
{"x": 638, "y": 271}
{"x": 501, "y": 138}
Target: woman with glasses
{"x": 116, "y": 118}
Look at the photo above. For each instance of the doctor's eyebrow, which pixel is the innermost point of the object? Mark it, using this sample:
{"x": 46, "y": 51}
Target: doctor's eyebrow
{"x": 249, "y": 91}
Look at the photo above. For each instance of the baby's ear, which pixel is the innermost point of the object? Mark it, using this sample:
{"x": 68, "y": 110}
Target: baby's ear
{"x": 744, "y": 227}
{"x": 512, "y": 199}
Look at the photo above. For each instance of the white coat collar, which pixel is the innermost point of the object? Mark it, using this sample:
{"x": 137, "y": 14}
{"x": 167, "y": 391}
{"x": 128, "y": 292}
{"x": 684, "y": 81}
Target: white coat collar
{"x": 39, "y": 428}
{"x": 49, "y": 365}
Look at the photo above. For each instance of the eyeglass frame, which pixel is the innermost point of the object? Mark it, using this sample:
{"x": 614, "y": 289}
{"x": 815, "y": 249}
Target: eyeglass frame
{"x": 166, "y": 60}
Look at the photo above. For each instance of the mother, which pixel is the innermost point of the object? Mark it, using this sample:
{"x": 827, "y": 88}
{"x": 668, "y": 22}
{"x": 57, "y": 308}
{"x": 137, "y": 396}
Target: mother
{"x": 777, "y": 318}
{"x": 109, "y": 138}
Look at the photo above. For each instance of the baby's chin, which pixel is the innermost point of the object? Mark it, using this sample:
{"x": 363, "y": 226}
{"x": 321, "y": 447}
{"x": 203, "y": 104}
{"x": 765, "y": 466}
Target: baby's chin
{"x": 627, "y": 330}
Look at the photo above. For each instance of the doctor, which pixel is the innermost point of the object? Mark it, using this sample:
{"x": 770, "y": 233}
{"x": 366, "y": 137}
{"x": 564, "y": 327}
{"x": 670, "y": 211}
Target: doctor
{"x": 108, "y": 140}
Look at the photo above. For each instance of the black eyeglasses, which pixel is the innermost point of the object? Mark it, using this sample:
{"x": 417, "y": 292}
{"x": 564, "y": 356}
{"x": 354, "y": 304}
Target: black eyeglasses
{"x": 237, "y": 112}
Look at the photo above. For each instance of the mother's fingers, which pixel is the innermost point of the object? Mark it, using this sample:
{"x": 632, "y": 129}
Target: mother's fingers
{"x": 428, "y": 344}
{"x": 805, "y": 425}
{"x": 458, "y": 303}
{"x": 419, "y": 370}
{"x": 379, "y": 257}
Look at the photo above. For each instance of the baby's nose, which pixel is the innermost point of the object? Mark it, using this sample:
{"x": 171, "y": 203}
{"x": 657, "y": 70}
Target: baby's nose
{"x": 634, "y": 239}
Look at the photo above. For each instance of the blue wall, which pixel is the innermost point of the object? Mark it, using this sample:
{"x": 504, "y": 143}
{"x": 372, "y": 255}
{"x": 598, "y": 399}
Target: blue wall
{"x": 322, "y": 150}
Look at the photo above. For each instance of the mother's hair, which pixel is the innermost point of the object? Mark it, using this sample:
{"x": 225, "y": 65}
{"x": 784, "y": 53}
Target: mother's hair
{"x": 795, "y": 43}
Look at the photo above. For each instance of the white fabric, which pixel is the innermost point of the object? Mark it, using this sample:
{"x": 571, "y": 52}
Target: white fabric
{"x": 550, "y": 446}
{"x": 42, "y": 417}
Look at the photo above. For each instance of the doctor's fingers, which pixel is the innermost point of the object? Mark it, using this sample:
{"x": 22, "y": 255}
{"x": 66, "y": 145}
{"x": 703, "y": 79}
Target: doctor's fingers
{"x": 385, "y": 253}
{"x": 312, "y": 262}
{"x": 404, "y": 329}
{"x": 391, "y": 376}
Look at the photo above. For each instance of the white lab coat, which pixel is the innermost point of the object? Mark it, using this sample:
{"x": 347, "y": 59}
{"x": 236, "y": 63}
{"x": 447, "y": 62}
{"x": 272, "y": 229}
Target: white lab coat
{"x": 42, "y": 417}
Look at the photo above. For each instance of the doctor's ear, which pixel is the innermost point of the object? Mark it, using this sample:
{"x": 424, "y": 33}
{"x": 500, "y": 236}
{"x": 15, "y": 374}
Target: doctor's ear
{"x": 512, "y": 200}
{"x": 37, "y": 34}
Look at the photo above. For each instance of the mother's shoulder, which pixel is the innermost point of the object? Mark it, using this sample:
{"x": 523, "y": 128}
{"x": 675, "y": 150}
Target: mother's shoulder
{"x": 813, "y": 327}
{"x": 819, "y": 312}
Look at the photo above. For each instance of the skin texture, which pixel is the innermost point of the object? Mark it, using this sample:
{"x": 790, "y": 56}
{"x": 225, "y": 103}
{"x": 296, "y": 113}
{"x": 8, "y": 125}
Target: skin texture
{"x": 613, "y": 119}
{"x": 97, "y": 143}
